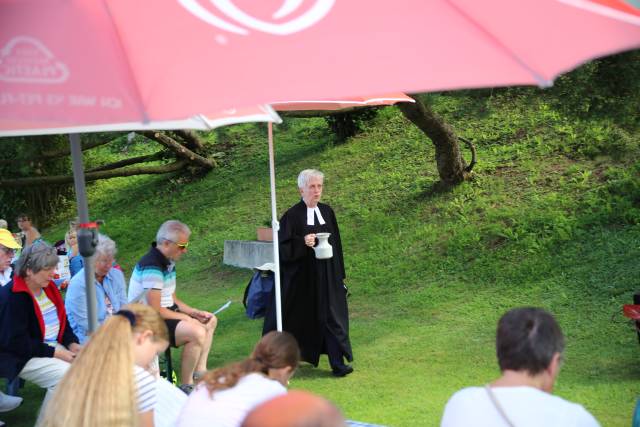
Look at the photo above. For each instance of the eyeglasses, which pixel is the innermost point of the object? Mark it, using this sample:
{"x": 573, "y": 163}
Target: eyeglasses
{"x": 8, "y": 251}
{"x": 182, "y": 246}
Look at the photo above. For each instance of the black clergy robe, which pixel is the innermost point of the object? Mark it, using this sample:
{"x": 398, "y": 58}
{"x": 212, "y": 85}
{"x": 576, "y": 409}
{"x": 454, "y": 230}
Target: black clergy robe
{"x": 314, "y": 299}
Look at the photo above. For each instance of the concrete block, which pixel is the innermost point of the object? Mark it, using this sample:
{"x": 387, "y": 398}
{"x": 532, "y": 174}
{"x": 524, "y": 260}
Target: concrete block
{"x": 247, "y": 253}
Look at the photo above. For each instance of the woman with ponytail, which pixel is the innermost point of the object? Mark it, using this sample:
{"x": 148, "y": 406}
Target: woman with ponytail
{"x": 226, "y": 395}
{"x": 107, "y": 384}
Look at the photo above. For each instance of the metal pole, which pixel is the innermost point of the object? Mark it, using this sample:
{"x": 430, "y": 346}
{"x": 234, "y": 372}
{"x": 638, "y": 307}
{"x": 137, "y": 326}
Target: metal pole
{"x": 276, "y": 226}
{"x": 87, "y": 237}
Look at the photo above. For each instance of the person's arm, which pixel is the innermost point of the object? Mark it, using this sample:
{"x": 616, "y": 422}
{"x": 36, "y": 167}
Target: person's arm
{"x": 15, "y": 324}
{"x": 146, "y": 419}
{"x": 153, "y": 298}
{"x": 200, "y": 315}
{"x": 119, "y": 288}
{"x": 76, "y": 305}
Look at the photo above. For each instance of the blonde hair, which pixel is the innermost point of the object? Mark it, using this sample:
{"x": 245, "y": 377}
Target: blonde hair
{"x": 99, "y": 388}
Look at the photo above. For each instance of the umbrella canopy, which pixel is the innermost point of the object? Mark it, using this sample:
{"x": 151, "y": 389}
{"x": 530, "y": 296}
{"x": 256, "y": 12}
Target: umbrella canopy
{"x": 90, "y": 62}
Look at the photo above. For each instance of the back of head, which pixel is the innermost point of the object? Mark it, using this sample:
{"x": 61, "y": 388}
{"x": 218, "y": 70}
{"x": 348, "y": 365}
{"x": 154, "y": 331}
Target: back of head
{"x": 295, "y": 409}
{"x": 99, "y": 389}
{"x": 275, "y": 350}
{"x": 526, "y": 340}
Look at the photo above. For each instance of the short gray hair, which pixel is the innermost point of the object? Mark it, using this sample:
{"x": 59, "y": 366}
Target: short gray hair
{"x": 4, "y": 224}
{"x": 170, "y": 231}
{"x": 306, "y": 175}
{"x": 37, "y": 257}
{"x": 106, "y": 246}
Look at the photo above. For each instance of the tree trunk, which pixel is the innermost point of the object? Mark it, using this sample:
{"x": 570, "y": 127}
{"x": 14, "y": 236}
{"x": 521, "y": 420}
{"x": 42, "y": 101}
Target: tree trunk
{"x": 451, "y": 165}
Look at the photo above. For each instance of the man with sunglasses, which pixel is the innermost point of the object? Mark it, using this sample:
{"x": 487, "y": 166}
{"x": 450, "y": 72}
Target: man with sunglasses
{"x": 8, "y": 246}
{"x": 154, "y": 280}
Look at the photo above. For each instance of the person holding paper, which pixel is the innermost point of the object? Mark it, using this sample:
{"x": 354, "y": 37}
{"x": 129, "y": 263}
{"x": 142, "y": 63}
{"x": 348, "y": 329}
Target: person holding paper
{"x": 314, "y": 297}
{"x": 154, "y": 280}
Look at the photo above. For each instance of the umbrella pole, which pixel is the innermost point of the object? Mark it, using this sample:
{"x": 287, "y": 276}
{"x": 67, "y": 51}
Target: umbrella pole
{"x": 275, "y": 226}
{"x": 87, "y": 234}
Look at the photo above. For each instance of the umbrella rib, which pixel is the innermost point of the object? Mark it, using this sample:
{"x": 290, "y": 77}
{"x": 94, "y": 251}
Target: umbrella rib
{"x": 542, "y": 81}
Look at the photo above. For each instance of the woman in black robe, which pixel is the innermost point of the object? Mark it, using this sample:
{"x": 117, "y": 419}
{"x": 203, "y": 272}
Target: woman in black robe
{"x": 314, "y": 297}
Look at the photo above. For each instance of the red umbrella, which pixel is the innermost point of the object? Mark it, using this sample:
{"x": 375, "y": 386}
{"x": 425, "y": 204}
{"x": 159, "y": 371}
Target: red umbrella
{"x": 76, "y": 62}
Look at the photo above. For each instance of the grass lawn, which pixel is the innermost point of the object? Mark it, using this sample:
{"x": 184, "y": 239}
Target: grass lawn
{"x": 430, "y": 273}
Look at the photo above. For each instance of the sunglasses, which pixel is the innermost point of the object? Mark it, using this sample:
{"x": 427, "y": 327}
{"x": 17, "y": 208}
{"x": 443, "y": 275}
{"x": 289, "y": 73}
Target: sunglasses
{"x": 179, "y": 245}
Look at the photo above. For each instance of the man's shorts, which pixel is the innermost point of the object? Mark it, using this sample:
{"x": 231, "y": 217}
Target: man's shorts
{"x": 172, "y": 324}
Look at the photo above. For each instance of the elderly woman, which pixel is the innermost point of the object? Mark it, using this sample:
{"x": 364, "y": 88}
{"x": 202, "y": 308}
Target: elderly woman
{"x": 314, "y": 298}
{"x": 36, "y": 343}
{"x": 110, "y": 290}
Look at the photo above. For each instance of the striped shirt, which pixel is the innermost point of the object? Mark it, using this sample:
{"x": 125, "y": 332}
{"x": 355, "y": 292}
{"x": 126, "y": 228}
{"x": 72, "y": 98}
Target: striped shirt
{"x": 146, "y": 386}
{"x": 50, "y": 316}
{"x": 153, "y": 271}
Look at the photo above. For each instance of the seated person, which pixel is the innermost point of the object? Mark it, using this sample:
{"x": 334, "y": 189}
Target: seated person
{"x": 8, "y": 248}
{"x": 529, "y": 346}
{"x": 112, "y": 365}
{"x": 36, "y": 342}
{"x": 295, "y": 409}
{"x": 76, "y": 262}
{"x": 226, "y": 395}
{"x": 110, "y": 290}
{"x": 154, "y": 280}
{"x": 30, "y": 234}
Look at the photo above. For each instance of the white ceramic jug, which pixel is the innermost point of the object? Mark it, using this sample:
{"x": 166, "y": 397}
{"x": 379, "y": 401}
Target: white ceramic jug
{"x": 323, "y": 248}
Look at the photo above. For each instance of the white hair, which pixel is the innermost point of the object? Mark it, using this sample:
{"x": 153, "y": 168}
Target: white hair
{"x": 306, "y": 175}
{"x": 4, "y": 224}
{"x": 170, "y": 230}
{"x": 106, "y": 246}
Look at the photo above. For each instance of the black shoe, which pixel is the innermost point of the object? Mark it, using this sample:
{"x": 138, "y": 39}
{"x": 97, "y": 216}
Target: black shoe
{"x": 342, "y": 371}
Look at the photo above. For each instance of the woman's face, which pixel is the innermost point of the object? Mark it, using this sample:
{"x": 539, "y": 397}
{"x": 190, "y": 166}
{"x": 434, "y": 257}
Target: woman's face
{"x": 42, "y": 278}
{"x": 103, "y": 264}
{"x": 312, "y": 191}
{"x": 145, "y": 348}
{"x": 24, "y": 223}
{"x": 73, "y": 239}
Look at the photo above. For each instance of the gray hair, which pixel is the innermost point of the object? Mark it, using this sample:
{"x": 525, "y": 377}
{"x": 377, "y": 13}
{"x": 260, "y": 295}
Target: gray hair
{"x": 170, "y": 231}
{"x": 106, "y": 246}
{"x": 4, "y": 224}
{"x": 306, "y": 175}
{"x": 37, "y": 257}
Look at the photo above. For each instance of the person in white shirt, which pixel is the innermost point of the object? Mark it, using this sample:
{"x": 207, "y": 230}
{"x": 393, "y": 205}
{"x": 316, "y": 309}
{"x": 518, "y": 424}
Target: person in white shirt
{"x": 529, "y": 346}
{"x": 226, "y": 395}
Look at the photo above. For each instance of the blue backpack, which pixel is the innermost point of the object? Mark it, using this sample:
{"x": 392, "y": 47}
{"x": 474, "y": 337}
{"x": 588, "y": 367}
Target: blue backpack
{"x": 258, "y": 293}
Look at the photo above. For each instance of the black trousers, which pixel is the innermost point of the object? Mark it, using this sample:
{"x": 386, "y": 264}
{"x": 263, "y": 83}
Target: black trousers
{"x": 333, "y": 349}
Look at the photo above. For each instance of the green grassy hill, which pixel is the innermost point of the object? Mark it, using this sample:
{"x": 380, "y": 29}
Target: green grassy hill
{"x": 551, "y": 220}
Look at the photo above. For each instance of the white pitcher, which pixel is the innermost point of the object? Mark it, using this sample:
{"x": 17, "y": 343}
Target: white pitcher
{"x": 323, "y": 248}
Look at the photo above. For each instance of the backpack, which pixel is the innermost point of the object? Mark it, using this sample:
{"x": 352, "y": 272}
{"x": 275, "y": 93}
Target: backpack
{"x": 257, "y": 294}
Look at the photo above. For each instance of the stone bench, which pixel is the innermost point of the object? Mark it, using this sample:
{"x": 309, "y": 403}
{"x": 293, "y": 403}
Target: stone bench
{"x": 247, "y": 253}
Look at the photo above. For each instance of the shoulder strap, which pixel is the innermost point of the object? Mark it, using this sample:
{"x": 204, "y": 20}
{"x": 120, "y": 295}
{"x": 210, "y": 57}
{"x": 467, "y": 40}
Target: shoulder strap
{"x": 497, "y": 405}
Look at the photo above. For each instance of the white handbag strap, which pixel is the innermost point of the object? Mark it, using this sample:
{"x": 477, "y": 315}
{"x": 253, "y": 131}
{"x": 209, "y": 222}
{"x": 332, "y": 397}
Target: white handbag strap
{"x": 497, "y": 405}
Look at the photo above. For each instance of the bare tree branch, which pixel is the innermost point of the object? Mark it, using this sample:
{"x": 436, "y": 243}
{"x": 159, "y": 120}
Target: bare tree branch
{"x": 127, "y": 162}
{"x": 192, "y": 139}
{"x": 66, "y": 150}
{"x": 179, "y": 149}
{"x": 93, "y": 176}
